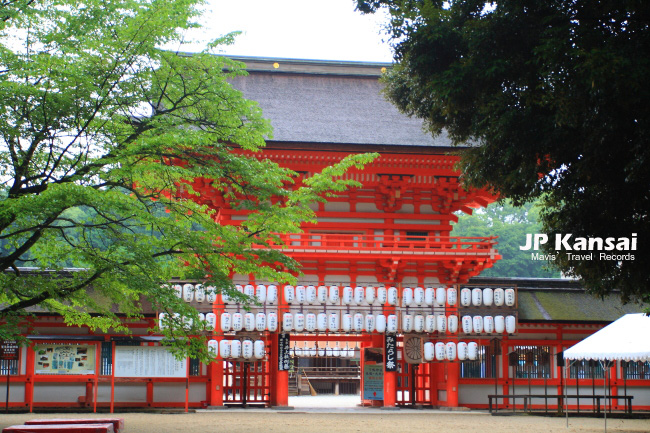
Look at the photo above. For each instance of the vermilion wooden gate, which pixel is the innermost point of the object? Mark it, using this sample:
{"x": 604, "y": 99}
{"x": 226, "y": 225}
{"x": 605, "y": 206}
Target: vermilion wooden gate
{"x": 413, "y": 383}
{"x": 246, "y": 383}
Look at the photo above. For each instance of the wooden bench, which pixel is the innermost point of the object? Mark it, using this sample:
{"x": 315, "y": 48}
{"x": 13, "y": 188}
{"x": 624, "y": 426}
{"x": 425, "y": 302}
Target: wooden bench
{"x": 60, "y": 428}
{"x": 528, "y": 397}
{"x": 118, "y": 423}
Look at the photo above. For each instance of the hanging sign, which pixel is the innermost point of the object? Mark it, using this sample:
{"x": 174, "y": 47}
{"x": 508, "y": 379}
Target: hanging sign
{"x": 391, "y": 353}
{"x": 283, "y": 352}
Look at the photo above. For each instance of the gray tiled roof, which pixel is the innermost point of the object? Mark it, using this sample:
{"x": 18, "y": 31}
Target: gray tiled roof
{"x": 330, "y": 102}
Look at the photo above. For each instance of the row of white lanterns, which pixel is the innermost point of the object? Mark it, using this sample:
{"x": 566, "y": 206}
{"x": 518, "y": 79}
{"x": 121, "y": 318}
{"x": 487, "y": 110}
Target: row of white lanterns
{"x": 429, "y": 296}
{"x": 450, "y": 351}
{"x": 313, "y": 351}
{"x": 237, "y": 349}
{"x": 358, "y": 322}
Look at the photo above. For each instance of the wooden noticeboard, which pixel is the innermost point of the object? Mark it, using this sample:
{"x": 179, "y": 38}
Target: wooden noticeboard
{"x": 148, "y": 361}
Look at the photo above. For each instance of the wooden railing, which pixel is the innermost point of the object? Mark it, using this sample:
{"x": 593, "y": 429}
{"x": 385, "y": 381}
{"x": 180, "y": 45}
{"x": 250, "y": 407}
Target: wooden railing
{"x": 331, "y": 372}
{"x": 334, "y": 242}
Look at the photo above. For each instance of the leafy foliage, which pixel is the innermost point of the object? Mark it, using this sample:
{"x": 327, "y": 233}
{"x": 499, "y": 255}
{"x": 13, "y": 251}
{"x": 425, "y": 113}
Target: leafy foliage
{"x": 102, "y": 136}
{"x": 556, "y": 95}
{"x": 511, "y": 224}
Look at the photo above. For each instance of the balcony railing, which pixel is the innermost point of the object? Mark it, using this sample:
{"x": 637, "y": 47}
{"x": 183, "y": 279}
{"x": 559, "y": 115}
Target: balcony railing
{"x": 335, "y": 243}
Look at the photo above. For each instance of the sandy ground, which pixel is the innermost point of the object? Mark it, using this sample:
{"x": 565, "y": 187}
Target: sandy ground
{"x": 333, "y": 415}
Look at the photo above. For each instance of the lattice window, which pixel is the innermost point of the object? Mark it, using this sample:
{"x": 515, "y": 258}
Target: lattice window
{"x": 484, "y": 367}
{"x": 533, "y": 362}
{"x": 586, "y": 369}
{"x": 637, "y": 370}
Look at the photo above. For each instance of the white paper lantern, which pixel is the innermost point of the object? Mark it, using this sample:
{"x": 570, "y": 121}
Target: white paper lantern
{"x": 429, "y": 296}
{"x": 235, "y": 349}
{"x": 188, "y": 292}
{"x": 289, "y": 294}
{"x": 211, "y": 294}
{"x": 272, "y": 321}
{"x": 178, "y": 290}
{"x": 247, "y": 349}
{"x": 452, "y": 324}
{"x": 347, "y": 322}
{"x": 350, "y": 351}
{"x": 301, "y": 294}
{"x": 359, "y": 295}
{"x": 357, "y": 322}
{"x": 226, "y": 322}
{"x": 213, "y": 347}
{"x": 313, "y": 351}
{"x": 510, "y": 297}
{"x": 440, "y": 351}
{"x": 499, "y": 297}
{"x": 511, "y": 324}
{"x": 187, "y": 322}
{"x": 310, "y": 322}
{"x": 249, "y": 321}
{"x": 333, "y": 322}
{"x": 382, "y": 295}
{"x": 391, "y": 323}
{"x": 441, "y": 323}
{"x": 328, "y": 351}
{"x": 260, "y": 321}
{"x": 391, "y": 296}
{"x": 380, "y": 323}
{"x": 311, "y": 295}
{"x": 211, "y": 320}
{"x": 369, "y": 323}
{"x": 271, "y": 294}
{"x": 260, "y": 293}
{"x": 488, "y": 324}
{"x": 321, "y": 351}
{"x": 450, "y": 351}
{"x": 488, "y": 296}
{"x": 462, "y": 351}
{"x": 334, "y": 295}
{"x": 249, "y": 290}
{"x": 477, "y": 324}
{"x": 466, "y": 324}
{"x": 336, "y": 351}
{"x": 407, "y": 323}
{"x": 418, "y": 295}
{"x": 452, "y": 296}
{"x": 465, "y": 297}
{"x": 347, "y": 295}
{"x": 477, "y": 297}
{"x": 202, "y": 318}
{"x": 297, "y": 350}
{"x": 224, "y": 349}
{"x": 429, "y": 351}
{"x": 472, "y": 351}
{"x": 499, "y": 324}
{"x": 239, "y": 288}
{"x": 321, "y": 294}
{"x": 299, "y": 322}
{"x": 418, "y": 323}
{"x": 237, "y": 322}
{"x": 407, "y": 296}
{"x": 287, "y": 322}
{"x": 162, "y": 317}
{"x": 430, "y": 323}
{"x": 199, "y": 293}
{"x": 258, "y": 349}
{"x": 441, "y": 296}
{"x": 321, "y": 322}
{"x": 370, "y": 295}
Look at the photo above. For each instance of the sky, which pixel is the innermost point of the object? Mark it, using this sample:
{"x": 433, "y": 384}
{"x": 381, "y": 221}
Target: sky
{"x": 303, "y": 29}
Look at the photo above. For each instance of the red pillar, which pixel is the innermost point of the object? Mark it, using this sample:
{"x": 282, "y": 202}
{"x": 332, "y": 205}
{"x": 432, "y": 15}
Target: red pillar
{"x": 279, "y": 378}
{"x": 453, "y": 373}
{"x": 215, "y": 382}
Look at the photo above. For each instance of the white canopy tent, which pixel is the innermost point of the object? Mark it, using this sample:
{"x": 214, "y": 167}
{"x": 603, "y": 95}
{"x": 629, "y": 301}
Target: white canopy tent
{"x": 625, "y": 339}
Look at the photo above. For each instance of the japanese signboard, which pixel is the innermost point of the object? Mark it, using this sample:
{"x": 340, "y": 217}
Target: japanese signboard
{"x": 373, "y": 374}
{"x": 283, "y": 352}
{"x": 64, "y": 359}
{"x": 390, "y": 359}
{"x": 147, "y": 361}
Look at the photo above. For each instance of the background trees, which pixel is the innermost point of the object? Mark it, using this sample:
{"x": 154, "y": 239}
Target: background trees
{"x": 556, "y": 95}
{"x": 102, "y": 136}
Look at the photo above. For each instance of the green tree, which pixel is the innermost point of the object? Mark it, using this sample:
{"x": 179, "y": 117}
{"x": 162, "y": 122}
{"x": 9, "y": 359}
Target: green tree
{"x": 555, "y": 93}
{"x": 511, "y": 224}
{"x": 102, "y": 137}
